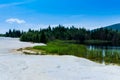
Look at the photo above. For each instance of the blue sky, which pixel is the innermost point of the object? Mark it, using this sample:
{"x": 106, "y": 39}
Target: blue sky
{"x": 35, "y": 14}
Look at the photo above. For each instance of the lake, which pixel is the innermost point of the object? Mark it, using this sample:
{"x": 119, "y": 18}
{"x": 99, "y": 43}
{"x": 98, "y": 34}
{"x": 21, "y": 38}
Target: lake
{"x": 107, "y": 53}
{"x": 104, "y": 48}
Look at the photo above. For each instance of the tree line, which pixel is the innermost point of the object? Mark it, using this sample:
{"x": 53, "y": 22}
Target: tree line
{"x": 14, "y": 33}
{"x": 2, "y": 35}
{"x": 79, "y": 35}
{"x": 60, "y": 32}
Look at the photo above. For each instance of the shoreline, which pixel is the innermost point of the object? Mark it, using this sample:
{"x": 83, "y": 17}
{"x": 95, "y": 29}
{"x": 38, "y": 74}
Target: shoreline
{"x": 31, "y": 51}
{"x": 50, "y": 67}
{"x": 27, "y": 51}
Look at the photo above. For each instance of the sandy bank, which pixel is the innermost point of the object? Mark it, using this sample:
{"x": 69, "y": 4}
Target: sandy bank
{"x": 38, "y": 67}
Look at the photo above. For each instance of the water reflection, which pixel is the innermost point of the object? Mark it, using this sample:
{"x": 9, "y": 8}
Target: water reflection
{"x": 106, "y": 51}
{"x": 104, "y": 48}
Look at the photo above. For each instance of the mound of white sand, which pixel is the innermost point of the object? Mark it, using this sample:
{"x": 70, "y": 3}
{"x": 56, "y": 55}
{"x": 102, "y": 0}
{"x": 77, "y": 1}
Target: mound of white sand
{"x": 32, "y": 67}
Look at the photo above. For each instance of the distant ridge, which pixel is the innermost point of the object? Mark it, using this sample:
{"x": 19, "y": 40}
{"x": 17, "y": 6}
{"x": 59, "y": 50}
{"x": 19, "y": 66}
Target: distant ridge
{"x": 114, "y": 26}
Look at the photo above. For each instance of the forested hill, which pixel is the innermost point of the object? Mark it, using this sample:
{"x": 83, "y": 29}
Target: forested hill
{"x": 114, "y": 26}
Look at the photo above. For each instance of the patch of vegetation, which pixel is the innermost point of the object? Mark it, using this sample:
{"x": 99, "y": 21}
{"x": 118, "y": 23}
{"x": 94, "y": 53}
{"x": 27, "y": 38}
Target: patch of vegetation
{"x": 112, "y": 57}
{"x": 14, "y": 33}
{"x": 63, "y": 48}
{"x": 2, "y": 35}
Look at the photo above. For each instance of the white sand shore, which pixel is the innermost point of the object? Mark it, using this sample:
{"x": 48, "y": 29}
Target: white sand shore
{"x": 32, "y": 67}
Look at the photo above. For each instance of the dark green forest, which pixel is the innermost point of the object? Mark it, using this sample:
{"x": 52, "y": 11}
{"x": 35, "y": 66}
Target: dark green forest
{"x": 14, "y": 33}
{"x": 2, "y": 35}
{"x": 77, "y": 35}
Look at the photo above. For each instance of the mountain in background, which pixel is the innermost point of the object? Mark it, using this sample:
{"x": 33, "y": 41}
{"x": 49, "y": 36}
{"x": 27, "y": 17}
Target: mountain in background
{"x": 114, "y": 26}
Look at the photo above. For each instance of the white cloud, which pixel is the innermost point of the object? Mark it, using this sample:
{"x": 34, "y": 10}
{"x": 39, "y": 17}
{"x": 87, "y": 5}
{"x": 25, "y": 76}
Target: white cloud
{"x": 15, "y": 20}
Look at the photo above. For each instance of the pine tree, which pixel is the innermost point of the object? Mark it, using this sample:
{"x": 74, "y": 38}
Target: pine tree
{"x": 43, "y": 38}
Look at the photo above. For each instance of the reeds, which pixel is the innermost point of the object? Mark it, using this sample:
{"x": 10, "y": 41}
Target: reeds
{"x": 64, "y": 48}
